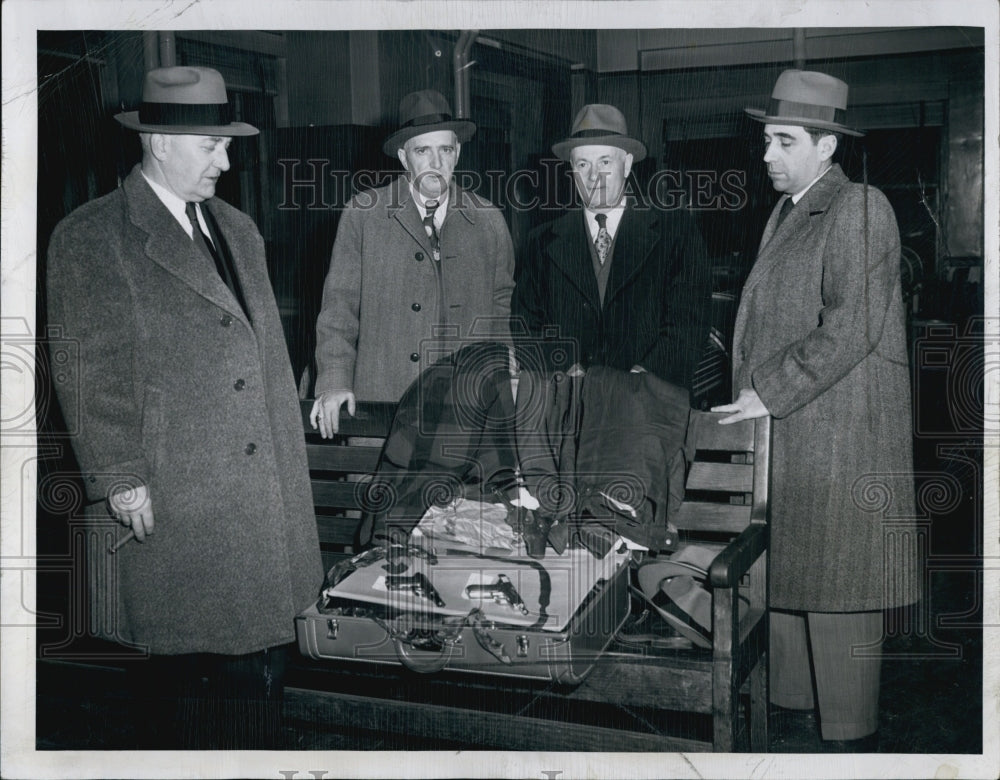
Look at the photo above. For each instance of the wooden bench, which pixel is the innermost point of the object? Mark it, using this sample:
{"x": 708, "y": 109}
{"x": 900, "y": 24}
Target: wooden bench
{"x": 641, "y": 693}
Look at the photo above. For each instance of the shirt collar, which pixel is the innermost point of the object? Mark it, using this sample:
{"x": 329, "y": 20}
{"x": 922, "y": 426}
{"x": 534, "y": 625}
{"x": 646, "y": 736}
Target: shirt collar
{"x": 173, "y": 203}
{"x": 419, "y": 200}
{"x": 796, "y": 198}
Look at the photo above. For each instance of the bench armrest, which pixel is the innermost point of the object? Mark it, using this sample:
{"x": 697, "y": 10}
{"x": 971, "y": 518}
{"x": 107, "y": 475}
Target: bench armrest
{"x": 738, "y": 556}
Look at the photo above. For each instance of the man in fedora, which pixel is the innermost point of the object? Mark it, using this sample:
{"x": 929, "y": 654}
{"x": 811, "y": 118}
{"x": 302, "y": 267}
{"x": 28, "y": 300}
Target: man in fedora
{"x": 627, "y": 283}
{"x": 190, "y": 431}
{"x": 420, "y": 267}
{"x": 820, "y": 345}
{"x": 616, "y": 293}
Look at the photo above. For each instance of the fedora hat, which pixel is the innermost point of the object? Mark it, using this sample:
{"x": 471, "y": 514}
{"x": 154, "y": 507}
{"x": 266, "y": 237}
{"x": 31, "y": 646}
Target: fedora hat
{"x": 184, "y": 100}
{"x": 807, "y": 98}
{"x": 425, "y": 111}
{"x": 598, "y": 124}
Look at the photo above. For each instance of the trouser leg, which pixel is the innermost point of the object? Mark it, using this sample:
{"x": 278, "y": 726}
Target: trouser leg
{"x": 790, "y": 670}
{"x": 206, "y": 701}
{"x": 846, "y": 651}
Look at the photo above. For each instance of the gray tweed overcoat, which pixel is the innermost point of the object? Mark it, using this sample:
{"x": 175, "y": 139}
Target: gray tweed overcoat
{"x": 820, "y": 336}
{"x": 177, "y": 389}
{"x": 389, "y": 310}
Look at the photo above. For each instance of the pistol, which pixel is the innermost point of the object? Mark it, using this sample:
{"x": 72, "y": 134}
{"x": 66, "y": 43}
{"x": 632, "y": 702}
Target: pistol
{"x": 417, "y": 584}
{"x": 502, "y": 591}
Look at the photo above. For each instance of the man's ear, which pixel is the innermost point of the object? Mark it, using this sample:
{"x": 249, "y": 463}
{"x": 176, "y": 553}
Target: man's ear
{"x": 159, "y": 145}
{"x": 827, "y": 146}
{"x": 628, "y": 164}
{"x": 401, "y": 154}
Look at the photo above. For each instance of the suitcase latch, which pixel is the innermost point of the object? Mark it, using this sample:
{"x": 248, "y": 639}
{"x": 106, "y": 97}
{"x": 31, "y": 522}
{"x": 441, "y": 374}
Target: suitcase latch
{"x": 332, "y": 627}
{"x": 522, "y": 646}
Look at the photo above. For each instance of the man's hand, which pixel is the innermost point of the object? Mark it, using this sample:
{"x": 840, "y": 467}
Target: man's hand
{"x": 746, "y": 407}
{"x": 325, "y": 413}
{"x": 134, "y": 510}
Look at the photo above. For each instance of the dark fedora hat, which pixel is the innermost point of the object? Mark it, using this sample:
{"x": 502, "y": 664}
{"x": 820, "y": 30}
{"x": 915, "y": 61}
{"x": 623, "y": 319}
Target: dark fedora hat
{"x": 807, "y": 98}
{"x": 598, "y": 124}
{"x": 184, "y": 100}
{"x": 425, "y": 111}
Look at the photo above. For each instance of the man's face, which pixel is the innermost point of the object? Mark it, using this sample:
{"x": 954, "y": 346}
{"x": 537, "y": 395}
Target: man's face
{"x": 430, "y": 159}
{"x": 599, "y": 173}
{"x": 793, "y": 158}
{"x": 191, "y": 164}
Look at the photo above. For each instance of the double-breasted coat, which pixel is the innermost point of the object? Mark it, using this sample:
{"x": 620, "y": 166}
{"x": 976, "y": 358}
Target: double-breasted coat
{"x": 177, "y": 389}
{"x": 820, "y": 336}
{"x": 390, "y": 309}
{"x": 656, "y": 305}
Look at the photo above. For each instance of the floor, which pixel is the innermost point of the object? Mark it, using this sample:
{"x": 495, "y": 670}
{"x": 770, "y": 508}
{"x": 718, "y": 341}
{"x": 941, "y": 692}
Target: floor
{"x": 931, "y": 700}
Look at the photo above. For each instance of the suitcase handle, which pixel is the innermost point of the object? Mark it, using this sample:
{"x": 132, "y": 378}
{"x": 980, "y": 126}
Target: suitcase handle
{"x": 422, "y": 661}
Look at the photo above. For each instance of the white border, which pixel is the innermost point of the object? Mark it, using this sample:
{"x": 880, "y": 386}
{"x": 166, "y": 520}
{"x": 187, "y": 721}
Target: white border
{"x": 22, "y": 18}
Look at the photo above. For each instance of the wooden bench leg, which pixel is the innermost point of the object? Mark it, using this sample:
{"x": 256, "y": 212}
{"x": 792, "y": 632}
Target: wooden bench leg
{"x": 758, "y": 706}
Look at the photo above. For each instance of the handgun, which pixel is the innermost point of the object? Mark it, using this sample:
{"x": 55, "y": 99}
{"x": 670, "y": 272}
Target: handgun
{"x": 417, "y": 584}
{"x": 502, "y": 591}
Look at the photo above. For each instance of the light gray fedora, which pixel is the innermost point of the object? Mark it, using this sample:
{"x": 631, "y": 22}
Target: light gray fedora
{"x": 807, "y": 98}
{"x": 184, "y": 101}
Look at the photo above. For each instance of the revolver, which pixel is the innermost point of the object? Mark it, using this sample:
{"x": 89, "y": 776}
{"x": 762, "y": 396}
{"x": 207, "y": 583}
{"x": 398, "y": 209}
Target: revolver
{"x": 417, "y": 584}
{"x": 502, "y": 591}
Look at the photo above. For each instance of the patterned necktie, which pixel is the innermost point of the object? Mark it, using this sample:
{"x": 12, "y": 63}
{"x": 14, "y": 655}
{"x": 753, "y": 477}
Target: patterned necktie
{"x": 431, "y": 229}
{"x": 785, "y": 208}
{"x": 603, "y": 241}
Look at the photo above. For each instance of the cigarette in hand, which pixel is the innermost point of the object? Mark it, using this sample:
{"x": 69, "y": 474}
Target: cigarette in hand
{"x": 121, "y": 542}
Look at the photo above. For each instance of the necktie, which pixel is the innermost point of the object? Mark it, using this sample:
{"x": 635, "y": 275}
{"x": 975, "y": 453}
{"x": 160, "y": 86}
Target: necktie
{"x": 785, "y": 208}
{"x": 603, "y": 241}
{"x": 223, "y": 265}
{"x": 431, "y": 229}
{"x": 199, "y": 238}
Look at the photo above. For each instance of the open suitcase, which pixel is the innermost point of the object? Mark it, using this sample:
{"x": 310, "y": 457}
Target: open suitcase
{"x": 547, "y": 619}
{"x": 431, "y": 604}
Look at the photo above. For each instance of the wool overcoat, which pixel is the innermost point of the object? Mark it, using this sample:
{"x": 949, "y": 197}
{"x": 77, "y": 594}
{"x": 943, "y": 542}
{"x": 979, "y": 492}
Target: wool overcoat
{"x": 656, "y": 306}
{"x": 177, "y": 389}
{"x": 389, "y": 309}
{"x": 820, "y": 336}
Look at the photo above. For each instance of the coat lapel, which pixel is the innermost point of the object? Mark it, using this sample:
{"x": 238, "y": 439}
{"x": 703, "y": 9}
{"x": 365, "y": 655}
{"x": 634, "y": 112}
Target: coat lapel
{"x": 569, "y": 251}
{"x": 168, "y": 245}
{"x": 404, "y": 211}
{"x": 815, "y": 202}
{"x": 637, "y": 234}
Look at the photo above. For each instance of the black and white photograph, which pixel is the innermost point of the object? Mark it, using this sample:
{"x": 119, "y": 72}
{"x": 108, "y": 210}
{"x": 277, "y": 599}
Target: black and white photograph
{"x": 500, "y": 389}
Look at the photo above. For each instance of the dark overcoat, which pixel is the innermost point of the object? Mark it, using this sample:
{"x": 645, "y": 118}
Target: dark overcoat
{"x": 657, "y": 302}
{"x": 177, "y": 389}
{"x": 820, "y": 336}
{"x": 390, "y": 310}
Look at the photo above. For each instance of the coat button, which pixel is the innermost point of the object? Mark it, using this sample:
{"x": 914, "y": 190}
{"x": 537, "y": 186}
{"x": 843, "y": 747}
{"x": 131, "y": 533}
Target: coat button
{"x": 415, "y": 307}
{"x": 418, "y": 256}
{"x": 239, "y": 384}
{"x": 251, "y": 448}
{"x": 226, "y": 321}
{"x": 414, "y": 357}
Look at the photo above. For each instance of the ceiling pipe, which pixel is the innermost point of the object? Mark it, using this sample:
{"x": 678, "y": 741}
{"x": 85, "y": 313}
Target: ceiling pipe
{"x": 168, "y": 50}
{"x": 799, "y": 47}
{"x": 150, "y": 51}
{"x": 460, "y": 63}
